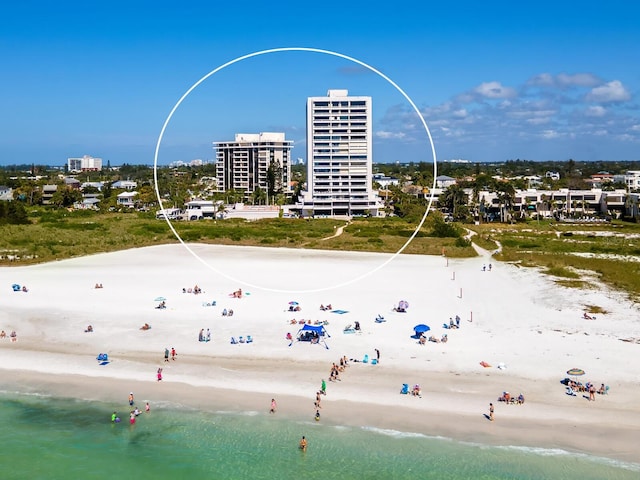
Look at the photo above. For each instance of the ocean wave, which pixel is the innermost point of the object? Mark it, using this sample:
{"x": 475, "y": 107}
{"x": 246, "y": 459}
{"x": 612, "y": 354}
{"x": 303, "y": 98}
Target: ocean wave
{"x": 558, "y": 452}
{"x": 399, "y": 434}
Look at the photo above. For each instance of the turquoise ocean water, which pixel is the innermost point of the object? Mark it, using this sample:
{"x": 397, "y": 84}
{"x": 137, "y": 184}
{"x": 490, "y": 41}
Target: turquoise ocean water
{"x": 49, "y": 438}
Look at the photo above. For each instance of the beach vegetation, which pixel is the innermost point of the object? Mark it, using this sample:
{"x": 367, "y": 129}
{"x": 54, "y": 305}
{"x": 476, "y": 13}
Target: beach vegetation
{"x": 595, "y": 309}
{"x": 606, "y": 252}
{"x": 578, "y": 284}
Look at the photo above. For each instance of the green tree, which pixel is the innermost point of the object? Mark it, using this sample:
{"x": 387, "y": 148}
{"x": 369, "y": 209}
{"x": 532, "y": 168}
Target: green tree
{"x": 455, "y": 200}
{"x": 66, "y": 197}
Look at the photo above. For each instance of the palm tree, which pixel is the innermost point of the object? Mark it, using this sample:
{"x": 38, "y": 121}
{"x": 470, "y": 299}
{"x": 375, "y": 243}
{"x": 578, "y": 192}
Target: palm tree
{"x": 453, "y": 198}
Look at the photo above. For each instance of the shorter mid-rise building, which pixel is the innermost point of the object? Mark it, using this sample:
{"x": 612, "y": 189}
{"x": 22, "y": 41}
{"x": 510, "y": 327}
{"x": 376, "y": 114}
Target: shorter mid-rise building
{"x": 254, "y": 161}
{"x": 86, "y": 163}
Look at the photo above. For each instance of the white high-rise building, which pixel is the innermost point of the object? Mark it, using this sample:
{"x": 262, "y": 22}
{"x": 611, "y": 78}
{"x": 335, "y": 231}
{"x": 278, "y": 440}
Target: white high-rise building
{"x": 254, "y": 160}
{"x": 339, "y": 156}
{"x": 86, "y": 163}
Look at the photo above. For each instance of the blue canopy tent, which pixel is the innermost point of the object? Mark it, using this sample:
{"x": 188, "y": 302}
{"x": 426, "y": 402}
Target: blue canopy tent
{"x": 312, "y": 334}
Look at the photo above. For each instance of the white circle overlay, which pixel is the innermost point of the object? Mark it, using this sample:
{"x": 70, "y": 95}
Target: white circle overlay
{"x": 296, "y": 49}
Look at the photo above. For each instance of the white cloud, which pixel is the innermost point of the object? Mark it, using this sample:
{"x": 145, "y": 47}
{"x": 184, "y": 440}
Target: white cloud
{"x": 550, "y": 134}
{"x": 635, "y": 128}
{"x": 595, "y": 111}
{"x": 564, "y": 80}
{"x": 538, "y": 120}
{"x": 612, "y": 91}
{"x": 578, "y": 80}
{"x": 541, "y": 79}
{"x": 494, "y": 90}
{"x": 390, "y": 135}
{"x": 461, "y": 113}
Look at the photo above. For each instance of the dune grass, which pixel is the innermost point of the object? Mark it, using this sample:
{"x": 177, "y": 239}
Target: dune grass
{"x": 59, "y": 234}
{"x": 610, "y": 252}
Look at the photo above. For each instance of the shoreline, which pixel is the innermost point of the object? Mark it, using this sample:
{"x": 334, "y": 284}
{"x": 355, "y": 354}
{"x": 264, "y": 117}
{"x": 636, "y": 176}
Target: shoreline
{"x": 456, "y": 412}
{"x": 511, "y": 317}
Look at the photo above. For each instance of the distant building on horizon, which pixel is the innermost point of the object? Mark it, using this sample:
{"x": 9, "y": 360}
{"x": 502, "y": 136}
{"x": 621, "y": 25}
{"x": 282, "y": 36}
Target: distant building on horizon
{"x": 339, "y": 156}
{"x": 252, "y": 161}
{"x": 86, "y": 163}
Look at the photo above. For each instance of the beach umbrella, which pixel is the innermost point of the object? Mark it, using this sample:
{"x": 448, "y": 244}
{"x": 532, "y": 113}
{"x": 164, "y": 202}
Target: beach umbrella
{"x": 293, "y": 303}
{"x": 575, "y": 372}
{"x": 421, "y": 328}
{"x": 160, "y": 299}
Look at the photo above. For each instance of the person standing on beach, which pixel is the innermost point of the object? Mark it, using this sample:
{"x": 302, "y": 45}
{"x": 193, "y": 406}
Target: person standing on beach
{"x": 131, "y": 398}
{"x": 491, "y": 412}
{"x": 113, "y": 417}
{"x": 173, "y": 353}
{"x": 323, "y": 387}
{"x": 377, "y": 355}
{"x": 166, "y": 354}
{"x": 159, "y": 374}
{"x": 273, "y": 406}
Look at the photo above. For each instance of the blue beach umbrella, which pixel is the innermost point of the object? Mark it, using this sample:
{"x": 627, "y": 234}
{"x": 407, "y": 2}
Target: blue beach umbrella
{"x": 421, "y": 328}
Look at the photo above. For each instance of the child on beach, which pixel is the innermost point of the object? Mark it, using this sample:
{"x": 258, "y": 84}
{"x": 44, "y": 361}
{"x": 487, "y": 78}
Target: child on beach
{"x": 159, "y": 374}
{"x": 273, "y": 406}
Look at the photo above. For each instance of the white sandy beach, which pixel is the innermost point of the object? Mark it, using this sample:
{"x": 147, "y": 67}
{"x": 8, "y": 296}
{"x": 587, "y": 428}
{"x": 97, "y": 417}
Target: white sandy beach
{"x": 509, "y": 315}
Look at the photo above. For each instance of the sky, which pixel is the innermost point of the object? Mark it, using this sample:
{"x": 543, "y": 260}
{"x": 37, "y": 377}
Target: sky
{"x": 493, "y": 81}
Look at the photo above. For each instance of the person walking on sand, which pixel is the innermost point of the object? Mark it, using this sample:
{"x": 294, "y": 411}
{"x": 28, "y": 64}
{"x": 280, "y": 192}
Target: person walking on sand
{"x": 323, "y": 387}
{"x": 159, "y": 374}
{"x": 377, "y": 355}
{"x": 303, "y": 444}
{"x": 166, "y": 354}
{"x": 131, "y": 398}
{"x": 491, "y": 412}
{"x": 173, "y": 353}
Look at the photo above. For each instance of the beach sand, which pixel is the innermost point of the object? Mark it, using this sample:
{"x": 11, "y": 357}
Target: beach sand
{"x": 510, "y": 316}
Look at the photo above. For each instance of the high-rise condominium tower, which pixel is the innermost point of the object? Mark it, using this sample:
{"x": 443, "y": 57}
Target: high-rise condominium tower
{"x": 339, "y": 156}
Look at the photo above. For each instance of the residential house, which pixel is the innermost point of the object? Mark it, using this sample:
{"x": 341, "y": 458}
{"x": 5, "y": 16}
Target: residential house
{"x": 125, "y": 185}
{"x": 443, "y": 181}
{"x": 127, "y": 199}
{"x": 6, "y": 193}
{"x": 47, "y": 193}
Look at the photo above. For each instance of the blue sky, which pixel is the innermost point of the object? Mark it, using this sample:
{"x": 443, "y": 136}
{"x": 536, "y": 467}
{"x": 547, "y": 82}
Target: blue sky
{"x": 494, "y": 81}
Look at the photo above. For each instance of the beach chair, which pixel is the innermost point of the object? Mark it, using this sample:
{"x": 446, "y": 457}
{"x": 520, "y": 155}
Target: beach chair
{"x": 249, "y": 339}
{"x": 349, "y": 329}
{"x": 234, "y": 341}
{"x": 365, "y": 359}
{"x": 405, "y": 389}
